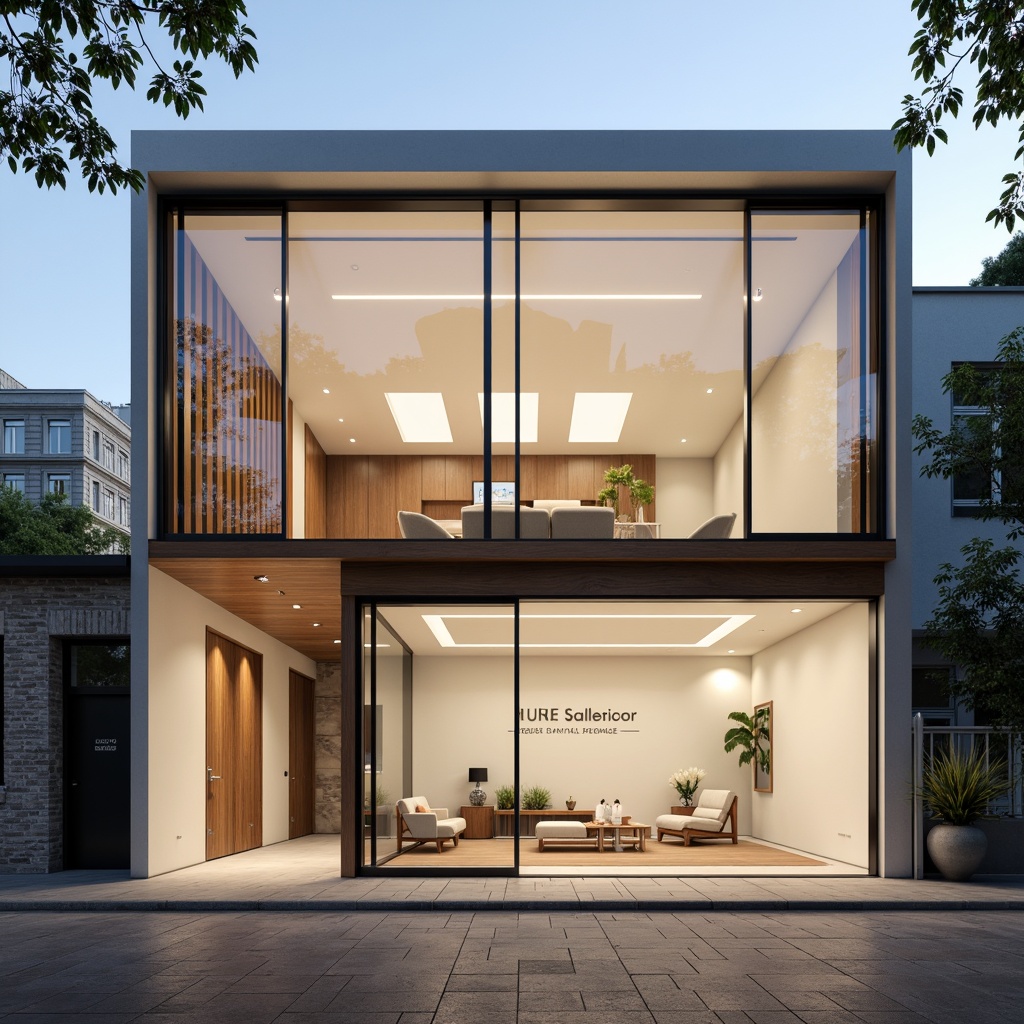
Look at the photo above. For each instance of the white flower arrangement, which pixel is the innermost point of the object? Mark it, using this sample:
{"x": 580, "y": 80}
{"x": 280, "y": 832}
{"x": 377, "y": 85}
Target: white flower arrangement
{"x": 686, "y": 781}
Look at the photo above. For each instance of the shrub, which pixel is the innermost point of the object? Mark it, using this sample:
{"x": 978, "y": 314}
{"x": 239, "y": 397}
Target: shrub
{"x": 536, "y": 798}
{"x": 958, "y": 787}
{"x": 506, "y": 797}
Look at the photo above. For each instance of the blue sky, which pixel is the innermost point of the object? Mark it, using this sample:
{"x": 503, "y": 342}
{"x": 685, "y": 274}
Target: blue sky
{"x": 559, "y": 64}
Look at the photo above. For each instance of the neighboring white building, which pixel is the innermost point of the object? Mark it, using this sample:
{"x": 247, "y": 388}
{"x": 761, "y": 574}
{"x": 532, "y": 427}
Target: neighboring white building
{"x": 68, "y": 442}
{"x": 951, "y": 325}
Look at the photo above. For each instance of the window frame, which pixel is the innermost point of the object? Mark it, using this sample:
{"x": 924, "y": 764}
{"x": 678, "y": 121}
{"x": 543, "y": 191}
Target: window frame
{"x": 13, "y": 424}
{"x": 58, "y": 423}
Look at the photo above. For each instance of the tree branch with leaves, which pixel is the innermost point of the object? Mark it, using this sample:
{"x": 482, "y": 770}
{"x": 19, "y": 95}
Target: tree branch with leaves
{"x": 56, "y": 50}
{"x": 988, "y": 36}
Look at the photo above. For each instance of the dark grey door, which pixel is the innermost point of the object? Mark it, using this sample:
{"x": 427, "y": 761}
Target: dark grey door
{"x": 97, "y": 761}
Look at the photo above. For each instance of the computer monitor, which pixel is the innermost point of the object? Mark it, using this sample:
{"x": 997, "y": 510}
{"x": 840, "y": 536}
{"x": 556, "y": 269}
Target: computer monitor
{"x": 503, "y": 492}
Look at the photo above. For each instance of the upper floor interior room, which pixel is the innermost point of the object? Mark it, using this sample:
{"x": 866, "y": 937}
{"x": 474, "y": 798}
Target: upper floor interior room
{"x": 325, "y": 360}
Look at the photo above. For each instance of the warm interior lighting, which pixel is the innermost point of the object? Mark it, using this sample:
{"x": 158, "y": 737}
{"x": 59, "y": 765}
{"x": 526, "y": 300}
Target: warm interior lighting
{"x": 296, "y": 606}
{"x": 723, "y": 625}
{"x": 420, "y": 416}
{"x": 796, "y": 611}
{"x": 599, "y": 415}
{"x": 326, "y": 391}
{"x": 316, "y": 625}
{"x": 262, "y": 579}
{"x": 503, "y": 415}
{"x": 585, "y": 297}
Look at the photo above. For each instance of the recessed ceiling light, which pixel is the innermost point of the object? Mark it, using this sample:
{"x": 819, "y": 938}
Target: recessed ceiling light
{"x": 503, "y": 415}
{"x": 351, "y": 440}
{"x": 682, "y": 440}
{"x": 296, "y": 606}
{"x": 315, "y": 625}
{"x": 341, "y": 419}
{"x": 796, "y": 611}
{"x": 326, "y": 391}
{"x": 711, "y": 391}
{"x": 355, "y": 266}
{"x": 599, "y": 415}
{"x": 337, "y": 641}
{"x": 732, "y": 650}
{"x": 420, "y": 416}
{"x": 262, "y": 579}
{"x": 281, "y": 592}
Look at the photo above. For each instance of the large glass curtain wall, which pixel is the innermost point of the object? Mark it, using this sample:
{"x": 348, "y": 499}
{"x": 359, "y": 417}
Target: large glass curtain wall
{"x": 317, "y": 387}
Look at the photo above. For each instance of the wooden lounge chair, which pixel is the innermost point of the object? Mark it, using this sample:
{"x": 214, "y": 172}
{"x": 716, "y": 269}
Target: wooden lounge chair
{"x": 714, "y": 817}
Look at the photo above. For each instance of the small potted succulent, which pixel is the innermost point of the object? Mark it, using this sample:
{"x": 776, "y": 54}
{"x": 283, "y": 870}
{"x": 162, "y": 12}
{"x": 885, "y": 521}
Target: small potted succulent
{"x": 686, "y": 781}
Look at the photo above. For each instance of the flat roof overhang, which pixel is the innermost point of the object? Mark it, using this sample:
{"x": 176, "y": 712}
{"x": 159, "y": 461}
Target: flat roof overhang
{"x": 316, "y": 573}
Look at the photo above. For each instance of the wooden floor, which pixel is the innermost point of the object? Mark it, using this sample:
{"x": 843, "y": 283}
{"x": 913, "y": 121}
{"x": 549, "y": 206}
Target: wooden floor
{"x": 498, "y": 853}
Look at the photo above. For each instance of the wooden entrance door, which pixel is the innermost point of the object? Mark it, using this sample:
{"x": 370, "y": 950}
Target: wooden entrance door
{"x": 234, "y": 747}
{"x": 300, "y": 755}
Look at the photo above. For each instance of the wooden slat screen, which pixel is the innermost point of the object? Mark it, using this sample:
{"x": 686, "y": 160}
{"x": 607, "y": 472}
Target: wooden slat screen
{"x": 227, "y": 428}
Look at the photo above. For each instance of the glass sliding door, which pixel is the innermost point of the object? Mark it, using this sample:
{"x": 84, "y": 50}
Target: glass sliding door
{"x": 224, "y": 395}
{"x": 385, "y": 365}
{"x": 439, "y": 689}
{"x": 813, "y": 410}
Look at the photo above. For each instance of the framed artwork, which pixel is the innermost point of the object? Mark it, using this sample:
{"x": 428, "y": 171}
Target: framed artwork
{"x": 763, "y": 761}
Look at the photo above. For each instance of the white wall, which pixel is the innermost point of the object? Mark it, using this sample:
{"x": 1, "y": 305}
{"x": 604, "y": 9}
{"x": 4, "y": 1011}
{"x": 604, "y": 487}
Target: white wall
{"x": 461, "y": 718}
{"x": 728, "y": 479}
{"x": 794, "y": 428}
{"x": 818, "y": 682}
{"x": 177, "y": 721}
{"x": 684, "y": 495}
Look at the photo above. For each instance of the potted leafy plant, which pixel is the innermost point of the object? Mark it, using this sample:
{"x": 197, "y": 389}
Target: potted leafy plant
{"x": 686, "y": 781}
{"x": 751, "y": 736}
{"x": 640, "y": 491}
{"x": 506, "y": 797}
{"x": 958, "y": 788}
{"x": 536, "y": 798}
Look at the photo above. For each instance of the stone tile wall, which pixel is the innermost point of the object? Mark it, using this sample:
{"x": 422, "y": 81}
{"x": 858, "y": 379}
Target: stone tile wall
{"x": 328, "y": 747}
{"x": 36, "y": 615}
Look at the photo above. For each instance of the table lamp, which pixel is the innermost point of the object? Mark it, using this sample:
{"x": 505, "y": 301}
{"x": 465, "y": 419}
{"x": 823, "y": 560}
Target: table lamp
{"x": 477, "y": 796}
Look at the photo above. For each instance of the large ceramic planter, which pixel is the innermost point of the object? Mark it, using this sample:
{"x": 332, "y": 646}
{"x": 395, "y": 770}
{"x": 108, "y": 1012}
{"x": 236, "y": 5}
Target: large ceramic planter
{"x": 956, "y": 850}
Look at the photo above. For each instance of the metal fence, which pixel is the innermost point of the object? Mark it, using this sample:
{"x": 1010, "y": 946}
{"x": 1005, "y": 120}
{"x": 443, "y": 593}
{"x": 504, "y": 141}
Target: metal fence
{"x": 997, "y": 745}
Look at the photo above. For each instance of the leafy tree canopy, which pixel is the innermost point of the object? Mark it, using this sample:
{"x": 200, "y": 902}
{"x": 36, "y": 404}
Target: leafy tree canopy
{"x": 987, "y": 35}
{"x": 56, "y": 49}
{"x": 53, "y": 527}
{"x": 1005, "y": 269}
{"x": 978, "y": 620}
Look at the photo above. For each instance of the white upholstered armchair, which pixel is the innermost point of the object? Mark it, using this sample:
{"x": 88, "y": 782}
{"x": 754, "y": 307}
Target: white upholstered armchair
{"x": 418, "y": 823}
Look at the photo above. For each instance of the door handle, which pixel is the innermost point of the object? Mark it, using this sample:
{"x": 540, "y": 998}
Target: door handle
{"x": 210, "y": 776}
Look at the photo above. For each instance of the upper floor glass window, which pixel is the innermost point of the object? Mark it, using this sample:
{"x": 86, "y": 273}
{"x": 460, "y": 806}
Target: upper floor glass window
{"x": 14, "y": 437}
{"x": 16, "y": 481}
{"x": 123, "y": 464}
{"x": 59, "y": 435}
{"x": 59, "y": 483}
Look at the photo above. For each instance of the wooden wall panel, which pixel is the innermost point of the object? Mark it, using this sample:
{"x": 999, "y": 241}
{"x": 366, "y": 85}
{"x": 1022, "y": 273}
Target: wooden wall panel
{"x": 316, "y": 487}
{"x": 365, "y": 493}
{"x": 433, "y": 477}
{"x": 225, "y": 470}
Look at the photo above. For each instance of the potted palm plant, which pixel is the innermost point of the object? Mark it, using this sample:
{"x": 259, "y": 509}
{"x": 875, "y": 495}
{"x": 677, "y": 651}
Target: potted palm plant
{"x": 958, "y": 788}
{"x": 752, "y": 738}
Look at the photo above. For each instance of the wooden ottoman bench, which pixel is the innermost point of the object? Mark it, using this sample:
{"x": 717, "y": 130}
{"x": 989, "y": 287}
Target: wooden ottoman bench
{"x": 570, "y": 833}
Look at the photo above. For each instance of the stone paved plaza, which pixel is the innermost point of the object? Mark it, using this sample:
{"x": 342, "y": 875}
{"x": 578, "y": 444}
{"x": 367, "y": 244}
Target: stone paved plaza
{"x": 896, "y": 967}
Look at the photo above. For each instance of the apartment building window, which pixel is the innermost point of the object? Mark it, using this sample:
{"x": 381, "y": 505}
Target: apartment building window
{"x": 14, "y": 437}
{"x": 108, "y": 456}
{"x": 123, "y": 515}
{"x": 108, "y": 504}
{"x": 60, "y": 437}
{"x": 122, "y": 464}
{"x": 95, "y": 496}
{"x": 96, "y": 445}
{"x": 975, "y": 486}
{"x": 16, "y": 481}
{"x": 59, "y": 483}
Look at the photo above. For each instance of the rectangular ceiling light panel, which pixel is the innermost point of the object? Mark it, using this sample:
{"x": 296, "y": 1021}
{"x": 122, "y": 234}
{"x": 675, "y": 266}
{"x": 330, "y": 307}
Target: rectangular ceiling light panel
{"x": 503, "y": 415}
{"x": 598, "y": 416}
{"x": 420, "y": 416}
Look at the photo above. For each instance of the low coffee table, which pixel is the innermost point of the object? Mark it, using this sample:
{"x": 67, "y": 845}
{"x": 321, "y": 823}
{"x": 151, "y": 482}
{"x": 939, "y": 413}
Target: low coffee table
{"x": 635, "y": 833}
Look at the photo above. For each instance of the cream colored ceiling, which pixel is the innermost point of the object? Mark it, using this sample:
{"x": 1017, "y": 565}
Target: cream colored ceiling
{"x": 600, "y": 628}
{"x": 668, "y": 354}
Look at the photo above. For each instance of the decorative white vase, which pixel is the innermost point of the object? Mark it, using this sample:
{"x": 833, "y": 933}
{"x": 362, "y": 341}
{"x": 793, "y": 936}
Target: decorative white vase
{"x": 956, "y": 850}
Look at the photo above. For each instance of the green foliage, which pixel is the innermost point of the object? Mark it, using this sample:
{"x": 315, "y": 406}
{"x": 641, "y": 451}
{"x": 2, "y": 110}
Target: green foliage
{"x": 640, "y": 491}
{"x": 989, "y": 35}
{"x": 536, "y": 798}
{"x": 1006, "y": 269}
{"x": 749, "y": 736}
{"x": 959, "y": 787}
{"x": 506, "y": 797}
{"x": 55, "y": 50}
{"x": 53, "y": 527}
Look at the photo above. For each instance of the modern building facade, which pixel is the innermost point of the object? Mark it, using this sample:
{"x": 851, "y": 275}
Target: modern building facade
{"x": 333, "y": 328}
{"x": 67, "y": 442}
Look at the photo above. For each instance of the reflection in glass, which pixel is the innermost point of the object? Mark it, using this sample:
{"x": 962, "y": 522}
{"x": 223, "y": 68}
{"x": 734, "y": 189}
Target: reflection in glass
{"x": 632, "y": 333}
{"x": 226, "y": 423}
{"x": 385, "y": 366}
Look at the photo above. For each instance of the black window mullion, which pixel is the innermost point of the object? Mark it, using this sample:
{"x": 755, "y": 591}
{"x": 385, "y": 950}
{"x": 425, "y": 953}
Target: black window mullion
{"x": 487, "y": 368}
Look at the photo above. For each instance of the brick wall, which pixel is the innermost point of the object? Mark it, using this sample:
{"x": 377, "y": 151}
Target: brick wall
{"x": 36, "y": 616}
